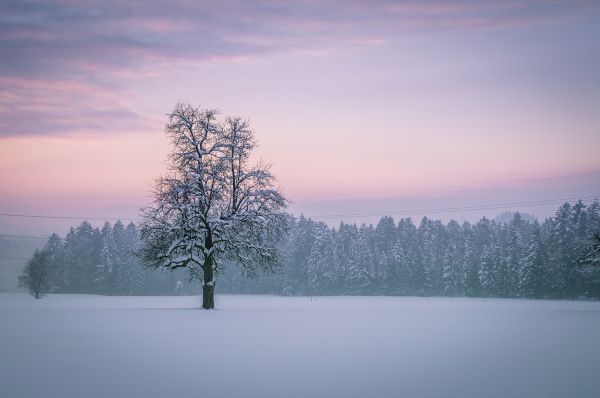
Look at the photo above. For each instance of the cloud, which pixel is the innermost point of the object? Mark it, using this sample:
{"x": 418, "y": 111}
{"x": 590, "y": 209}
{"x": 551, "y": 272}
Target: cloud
{"x": 35, "y": 107}
{"x": 56, "y": 37}
{"x": 56, "y": 43}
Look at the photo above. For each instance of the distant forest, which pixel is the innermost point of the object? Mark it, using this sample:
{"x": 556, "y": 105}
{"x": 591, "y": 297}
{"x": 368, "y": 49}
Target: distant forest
{"x": 518, "y": 258}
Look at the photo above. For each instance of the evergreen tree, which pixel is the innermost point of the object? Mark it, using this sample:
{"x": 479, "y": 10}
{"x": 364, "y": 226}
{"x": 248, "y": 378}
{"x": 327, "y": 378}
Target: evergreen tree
{"x": 385, "y": 235}
{"x": 410, "y": 259}
{"x": 321, "y": 262}
{"x": 84, "y": 254}
{"x": 514, "y": 252}
{"x": 384, "y": 240}
{"x": 302, "y": 238}
{"x": 70, "y": 262}
{"x": 453, "y": 273}
{"x": 471, "y": 266}
{"x": 563, "y": 247}
{"x": 107, "y": 258}
{"x": 592, "y": 255}
{"x": 132, "y": 276}
{"x": 56, "y": 263}
{"x": 121, "y": 251}
{"x": 532, "y": 281}
{"x": 491, "y": 271}
{"x": 593, "y": 217}
{"x": 398, "y": 272}
{"x": 432, "y": 261}
{"x": 360, "y": 275}
{"x": 36, "y": 275}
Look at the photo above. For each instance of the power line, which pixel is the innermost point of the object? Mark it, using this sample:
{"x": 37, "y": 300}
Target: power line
{"x": 460, "y": 209}
{"x": 23, "y": 236}
{"x": 67, "y": 217}
{"x": 339, "y": 215}
{"x": 13, "y": 258}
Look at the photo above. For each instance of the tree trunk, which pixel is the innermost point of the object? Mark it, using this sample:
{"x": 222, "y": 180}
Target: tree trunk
{"x": 208, "y": 287}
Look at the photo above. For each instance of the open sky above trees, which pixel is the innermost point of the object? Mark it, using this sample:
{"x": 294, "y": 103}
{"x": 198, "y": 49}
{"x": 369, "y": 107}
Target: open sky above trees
{"x": 360, "y": 106}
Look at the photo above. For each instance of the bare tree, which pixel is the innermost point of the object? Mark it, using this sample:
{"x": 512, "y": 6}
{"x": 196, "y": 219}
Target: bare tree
{"x": 212, "y": 206}
{"x": 36, "y": 275}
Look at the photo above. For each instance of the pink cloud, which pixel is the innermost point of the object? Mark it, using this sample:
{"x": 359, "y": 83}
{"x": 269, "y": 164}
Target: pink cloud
{"x": 59, "y": 55}
{"x": 38, "y": 106}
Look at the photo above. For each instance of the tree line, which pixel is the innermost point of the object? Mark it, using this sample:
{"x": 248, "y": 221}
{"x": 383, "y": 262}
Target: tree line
{"x": 96, "y": 261}
{"x": 520, "y": 258}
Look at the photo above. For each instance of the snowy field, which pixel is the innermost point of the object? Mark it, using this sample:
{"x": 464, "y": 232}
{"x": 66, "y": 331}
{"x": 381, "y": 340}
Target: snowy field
{"x": 260, "y": 346}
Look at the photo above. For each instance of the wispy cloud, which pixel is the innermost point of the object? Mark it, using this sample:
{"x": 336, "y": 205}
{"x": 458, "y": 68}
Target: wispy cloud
{"x": 41, "y": 106}
{"x": 60, "y": 54}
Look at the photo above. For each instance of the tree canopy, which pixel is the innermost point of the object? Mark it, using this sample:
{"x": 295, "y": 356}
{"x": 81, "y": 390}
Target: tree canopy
{"x": 212, "y": 205}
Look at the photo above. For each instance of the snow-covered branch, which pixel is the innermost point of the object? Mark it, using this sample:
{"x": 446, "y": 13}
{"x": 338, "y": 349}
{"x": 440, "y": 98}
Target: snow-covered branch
{"x": 213, "y": 205}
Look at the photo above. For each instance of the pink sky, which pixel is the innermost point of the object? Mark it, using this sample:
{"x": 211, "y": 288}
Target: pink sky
{"x": 347, "y": 101}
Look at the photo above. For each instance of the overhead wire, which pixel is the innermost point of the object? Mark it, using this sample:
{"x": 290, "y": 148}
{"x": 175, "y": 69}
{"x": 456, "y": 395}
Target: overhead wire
{"x": 355, "y": 215}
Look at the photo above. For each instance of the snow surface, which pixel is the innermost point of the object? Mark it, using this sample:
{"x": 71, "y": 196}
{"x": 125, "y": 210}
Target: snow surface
{"x": 261, "y": 346}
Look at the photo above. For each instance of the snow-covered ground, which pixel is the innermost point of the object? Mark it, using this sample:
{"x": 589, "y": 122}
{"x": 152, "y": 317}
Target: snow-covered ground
{"x": 259, "y": 346}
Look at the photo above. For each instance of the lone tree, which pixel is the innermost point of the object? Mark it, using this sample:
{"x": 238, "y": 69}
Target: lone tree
{"x": 213, "y": 206}
{"x": 36, "y": 275}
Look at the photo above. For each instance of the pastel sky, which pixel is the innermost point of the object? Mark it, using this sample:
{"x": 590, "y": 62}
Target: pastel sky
{"x": 361, "y": 106}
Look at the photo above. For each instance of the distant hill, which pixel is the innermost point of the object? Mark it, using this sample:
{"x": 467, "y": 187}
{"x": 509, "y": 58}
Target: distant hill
{"x": 504, "y": 218}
